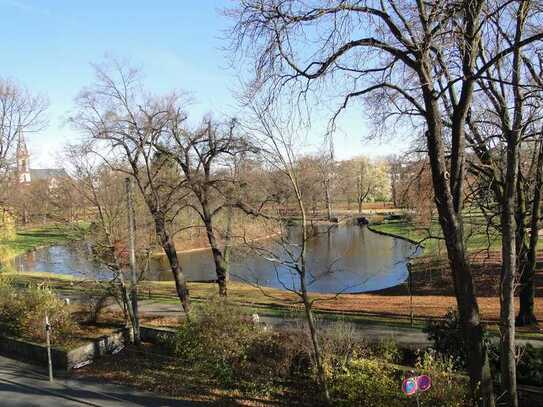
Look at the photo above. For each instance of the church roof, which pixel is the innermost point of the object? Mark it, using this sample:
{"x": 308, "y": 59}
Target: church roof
{"x": 47, "y": 173}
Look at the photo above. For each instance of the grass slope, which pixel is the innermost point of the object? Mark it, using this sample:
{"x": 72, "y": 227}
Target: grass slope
{"x": 29, "y": 239}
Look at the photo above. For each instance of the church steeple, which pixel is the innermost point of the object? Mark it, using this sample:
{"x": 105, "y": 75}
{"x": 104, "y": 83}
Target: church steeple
{"x": 23, "y": 160}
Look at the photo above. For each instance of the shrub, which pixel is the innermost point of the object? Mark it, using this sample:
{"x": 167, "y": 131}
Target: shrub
{"x": 7, "y": 226}
{"x": 447, "y": 338}
{"x": 339, "y": 345}
{"x": 530, "y": 366}
{"x": 6, "y": 256}
{"x": 221, "y": 338}
{"x": 376, "y": 219}
{"x": 22, "y": 313}
{"x": 365, "y": 382}
{"x": 222, "y": 341}
{"x": 448, "y": 341}
{"x": 387, "y": 349}
{"x": 449, "y": 389}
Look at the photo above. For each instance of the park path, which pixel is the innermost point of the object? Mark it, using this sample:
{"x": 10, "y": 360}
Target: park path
{"x": 366, "y": 330}
{"x": 23, "y": 385}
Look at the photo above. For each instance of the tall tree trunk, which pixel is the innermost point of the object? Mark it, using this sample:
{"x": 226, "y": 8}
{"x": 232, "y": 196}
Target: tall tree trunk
{"x": 449, "y": 197}
{"x": 520, "y": 222}
{"x": 171, "y": 253}
{"x": 218, "y": 258}
{"x": 228, "y": 239}
{"x": 132, "y": 261}
{"x": 509, "y": 266}
{"x": 315, "y": 341}
{"x": 509, "y": 260}
{"x": 307, "y": 303}
{"x": 394, "y": 193}
{"x": 526, "y": 314}
{"x": 450, "y": 221}
{"x": 359, "y": 193}
{"x": 328, "y": 199}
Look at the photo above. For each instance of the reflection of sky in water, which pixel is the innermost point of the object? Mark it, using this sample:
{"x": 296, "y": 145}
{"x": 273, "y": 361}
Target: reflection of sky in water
{"x": 62, "y": 260}
{"x": 347, "y": 259}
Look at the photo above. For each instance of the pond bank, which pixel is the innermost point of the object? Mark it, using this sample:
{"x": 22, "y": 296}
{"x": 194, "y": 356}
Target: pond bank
{"x": 395, "y": 235}
{"x": 160, "y": 252}
{"x": 35, "y": 238}
{"x": 343, "y": 259}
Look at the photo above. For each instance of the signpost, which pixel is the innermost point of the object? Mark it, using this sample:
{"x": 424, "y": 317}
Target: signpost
{"x": 48, "y": 342}
{"x": 410, "y": 289}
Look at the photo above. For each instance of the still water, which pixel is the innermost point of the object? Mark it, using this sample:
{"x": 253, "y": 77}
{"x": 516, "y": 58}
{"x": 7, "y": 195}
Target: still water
{"x": 346, "y": 259}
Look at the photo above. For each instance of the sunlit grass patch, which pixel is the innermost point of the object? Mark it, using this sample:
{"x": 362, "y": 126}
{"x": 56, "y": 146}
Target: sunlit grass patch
{"x": 29, "y": 239}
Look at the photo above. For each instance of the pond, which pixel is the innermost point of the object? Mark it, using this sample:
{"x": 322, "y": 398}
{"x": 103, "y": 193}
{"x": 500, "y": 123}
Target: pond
{"x": 344, "y": 258}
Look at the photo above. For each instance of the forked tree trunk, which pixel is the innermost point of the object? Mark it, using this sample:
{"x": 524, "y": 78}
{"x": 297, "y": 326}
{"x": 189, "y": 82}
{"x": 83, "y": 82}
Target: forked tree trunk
{"x": 218, "y": 259}
{"x": 221, "y": 269}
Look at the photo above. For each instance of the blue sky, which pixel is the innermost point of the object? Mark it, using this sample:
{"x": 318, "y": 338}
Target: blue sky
{"x": 48, "y": 46}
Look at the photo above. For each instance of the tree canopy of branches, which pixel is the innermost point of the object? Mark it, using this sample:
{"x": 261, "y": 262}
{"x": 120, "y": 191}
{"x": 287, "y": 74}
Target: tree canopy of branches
{"x": 416, "y": 64}
{"x": 20, "y": 112}
{"x": 205, "y": 158}
{"x": 124, "y": 125}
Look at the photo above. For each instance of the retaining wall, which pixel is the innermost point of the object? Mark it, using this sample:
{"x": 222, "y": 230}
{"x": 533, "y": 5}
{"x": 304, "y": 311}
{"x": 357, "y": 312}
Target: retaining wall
{"x": 63, "y": 359}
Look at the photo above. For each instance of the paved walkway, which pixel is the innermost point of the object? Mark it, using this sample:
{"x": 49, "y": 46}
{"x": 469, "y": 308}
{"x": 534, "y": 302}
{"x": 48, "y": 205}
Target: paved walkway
{"x": 23, "y": 385}
{"x": 372, "y": 332}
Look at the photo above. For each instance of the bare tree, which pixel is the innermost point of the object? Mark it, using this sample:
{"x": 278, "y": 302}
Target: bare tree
{"x": 500, "y": 123}
{"x": 102, "y": 189}
{"x": 20, "y": 112}
{"x": 276, "y": 141}
{"x": 403, "y": 57}
{"x": 327, "y": 166}
{"x": 124, "y": 125}
{"x": 364, "y": 183}
{"x": 532, "y": 181}
{"x": 203, "y": 156}
{"x": 395, "y": 165}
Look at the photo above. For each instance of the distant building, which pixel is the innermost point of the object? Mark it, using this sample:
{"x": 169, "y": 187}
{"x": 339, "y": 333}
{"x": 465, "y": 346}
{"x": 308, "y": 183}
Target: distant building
{"x": 27, "y": 175}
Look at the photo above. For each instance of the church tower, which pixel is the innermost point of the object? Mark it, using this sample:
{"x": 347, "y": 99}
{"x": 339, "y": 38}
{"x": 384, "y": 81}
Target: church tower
{"x": 23, "y": 158}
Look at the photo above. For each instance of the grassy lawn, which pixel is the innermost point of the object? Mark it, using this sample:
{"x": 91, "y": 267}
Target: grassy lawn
{"x": 431, "y": 238}
{"x": 32, "y": 238}
{"x": 372, "y": 308}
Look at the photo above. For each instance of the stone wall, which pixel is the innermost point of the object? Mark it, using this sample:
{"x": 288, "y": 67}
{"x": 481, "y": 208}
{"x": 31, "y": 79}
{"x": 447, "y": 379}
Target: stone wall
{"x": 64, "y": 360}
